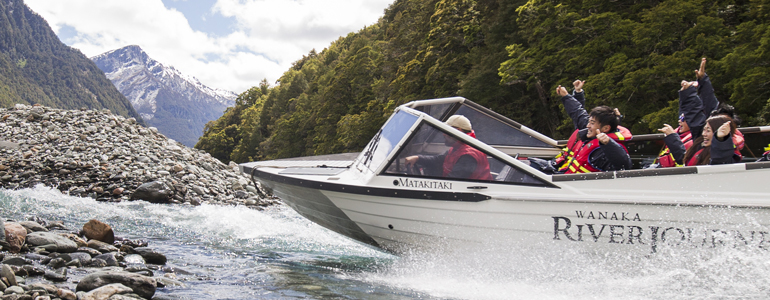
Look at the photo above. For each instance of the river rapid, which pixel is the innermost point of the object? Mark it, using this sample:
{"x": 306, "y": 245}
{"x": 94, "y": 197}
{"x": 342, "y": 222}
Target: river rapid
{"x": 233, "y": 252}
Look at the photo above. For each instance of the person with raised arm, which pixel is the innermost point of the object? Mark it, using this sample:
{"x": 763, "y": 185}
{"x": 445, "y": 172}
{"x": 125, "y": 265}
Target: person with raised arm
{"x": 696, "y": 101}
{"x": 596, "y": 145}
{"x": 711, "y": 148}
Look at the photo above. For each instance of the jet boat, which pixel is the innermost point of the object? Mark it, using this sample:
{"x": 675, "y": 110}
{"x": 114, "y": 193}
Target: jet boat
{"x": 375, "y": 198}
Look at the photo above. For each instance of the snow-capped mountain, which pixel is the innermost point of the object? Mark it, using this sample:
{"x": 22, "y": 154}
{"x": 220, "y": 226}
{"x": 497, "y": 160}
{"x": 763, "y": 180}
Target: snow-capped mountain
{"x": 177, "y": 104}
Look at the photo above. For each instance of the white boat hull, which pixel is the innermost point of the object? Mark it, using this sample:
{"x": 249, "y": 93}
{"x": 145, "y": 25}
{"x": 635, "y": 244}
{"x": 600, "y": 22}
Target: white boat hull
{"x": 720, "y": 206}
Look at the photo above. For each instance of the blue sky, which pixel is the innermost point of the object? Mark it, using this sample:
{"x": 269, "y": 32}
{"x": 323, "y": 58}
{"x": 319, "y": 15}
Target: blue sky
{"x": 228, "y": 44}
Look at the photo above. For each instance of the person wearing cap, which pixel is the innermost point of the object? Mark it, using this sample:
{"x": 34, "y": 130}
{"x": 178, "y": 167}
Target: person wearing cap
{"x": 461, "y": 160}
{"x": 596, "y": 145}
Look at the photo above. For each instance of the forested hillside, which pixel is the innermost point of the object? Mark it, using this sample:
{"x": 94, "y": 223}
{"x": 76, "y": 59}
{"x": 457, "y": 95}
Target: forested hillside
{"x": 509, "y": 56}
{"x": 36, "y": 67}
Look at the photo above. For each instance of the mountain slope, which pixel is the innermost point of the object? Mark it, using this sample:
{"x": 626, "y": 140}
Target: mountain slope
{"x": 36, "y": 67}
{"x": 178, "y": 105}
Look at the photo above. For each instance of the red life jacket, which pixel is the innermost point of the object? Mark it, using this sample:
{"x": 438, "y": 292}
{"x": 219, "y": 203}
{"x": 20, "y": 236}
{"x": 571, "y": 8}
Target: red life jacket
{"x": 694, "y": 159}
{"x": 482, "y": 164}
{"x": 666, "y": 159}
{"x": 739, "y": 142}
{"x": 579, "y": 152}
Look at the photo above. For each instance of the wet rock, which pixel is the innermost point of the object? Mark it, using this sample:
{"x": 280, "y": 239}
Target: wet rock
{"x": 153, "y": 192}
{"x": 108, "y": 258}
{"x": 15, "y": 236}
{"x": 66, "y": 294}
{"x": 55, "y": 276}
{"x": 151, "y": 256}
{"x": 14, "y": 290}
{"x": 91, "y": 251}
{"x": 99, "y": 230}
{"x": 32, "y": 226}
{"x": 62, "y": 244}
{"x": 143, "y": 286}
{"x": 16, "y": 261}
{"x": 101, "y": 246}
{"x": 105, "y": 292}
{"x": 7, "y": 273}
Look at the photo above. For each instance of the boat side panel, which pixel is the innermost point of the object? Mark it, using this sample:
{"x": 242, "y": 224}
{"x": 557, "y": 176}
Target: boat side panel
{"x": 315, "y": 206}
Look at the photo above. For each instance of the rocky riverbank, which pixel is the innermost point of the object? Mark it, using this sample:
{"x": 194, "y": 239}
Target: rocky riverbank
{"x": 48, "y": 261}
{"x": 96, "y": 154}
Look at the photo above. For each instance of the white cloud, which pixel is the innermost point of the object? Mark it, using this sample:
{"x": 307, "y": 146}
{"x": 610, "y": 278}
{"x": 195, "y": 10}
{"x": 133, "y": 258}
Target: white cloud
{"x": 269, "y": 36}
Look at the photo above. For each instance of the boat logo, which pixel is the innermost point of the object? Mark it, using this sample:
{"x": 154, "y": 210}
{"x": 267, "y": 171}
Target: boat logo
{"x": 426, "y": 184}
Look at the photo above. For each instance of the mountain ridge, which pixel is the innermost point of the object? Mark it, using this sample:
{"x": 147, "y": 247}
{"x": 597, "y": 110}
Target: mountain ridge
{"x": 178, "y": 105}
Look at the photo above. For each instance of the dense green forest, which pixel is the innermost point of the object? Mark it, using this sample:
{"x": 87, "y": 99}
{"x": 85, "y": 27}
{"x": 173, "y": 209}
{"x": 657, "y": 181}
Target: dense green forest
{"x": 510, "y": 56}
{"x": 36, "y": 67}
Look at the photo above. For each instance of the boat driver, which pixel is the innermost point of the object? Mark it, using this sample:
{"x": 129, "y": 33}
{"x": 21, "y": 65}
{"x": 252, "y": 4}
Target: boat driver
{"x": 461, "y": 160}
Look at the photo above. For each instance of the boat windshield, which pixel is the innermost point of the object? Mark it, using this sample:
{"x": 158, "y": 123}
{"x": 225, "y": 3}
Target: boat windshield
{"x": 383, "y": 143}
{"x": 440, "y": 155}
{"x": 491, "y": 128}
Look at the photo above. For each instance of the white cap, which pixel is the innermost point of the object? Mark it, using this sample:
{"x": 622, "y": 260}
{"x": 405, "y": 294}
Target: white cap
{"x": 459, "y": 121}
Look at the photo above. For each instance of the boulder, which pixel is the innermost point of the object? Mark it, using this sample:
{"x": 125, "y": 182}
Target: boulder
{"x": 7, "y": 272}
{"x": 151, "y": 256}
{"x": 143, "y": 286}
{"x": 153, "y": 192}
{"x": 105, "y": 292}
{"x": 62, "y": 244}
{"x": 98, "y": 230}
{"x": 32, "y": 226}
{"x": 15, "y": 236}
{"x": 101, "y": 246}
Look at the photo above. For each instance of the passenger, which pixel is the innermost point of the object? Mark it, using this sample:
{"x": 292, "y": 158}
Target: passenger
{"x": 697, "y": 100}
{"x": 694, "y": 104}
{"x": 461, "y": 160}
{"x": 728, "y": 110}
{"x": 710, "y": 148}
{"x": 596, "y": 144}
{"x": 665, "y": 158}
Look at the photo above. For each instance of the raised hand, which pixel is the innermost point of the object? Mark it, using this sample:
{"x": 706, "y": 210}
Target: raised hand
{"x": 702, "y": 71}
{"x": 723, "y": 130}
{"x": 667, "y": 129}
{"x": 687, "y": 84}
{"x": 561, "y": 91}
{"x": 578, "y": 84}
{"x": 602, "y": 137}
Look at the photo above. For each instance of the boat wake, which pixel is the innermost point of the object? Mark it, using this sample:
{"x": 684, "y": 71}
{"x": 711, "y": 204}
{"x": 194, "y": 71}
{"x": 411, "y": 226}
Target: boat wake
{"x": 238, "y": 253}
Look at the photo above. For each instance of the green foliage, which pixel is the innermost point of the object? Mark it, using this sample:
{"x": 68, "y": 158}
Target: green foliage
{"x": 509, "y": 56}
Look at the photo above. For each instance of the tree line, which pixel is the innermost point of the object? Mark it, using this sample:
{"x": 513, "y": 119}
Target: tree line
{"x": 509, "y": 56}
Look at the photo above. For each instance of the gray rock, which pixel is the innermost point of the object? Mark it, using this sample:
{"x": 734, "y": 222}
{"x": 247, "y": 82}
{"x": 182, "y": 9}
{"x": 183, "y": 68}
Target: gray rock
{"x": 83, "y": 257}
{"x": 141, "y": 285}
{"x": 101, "y": 246}
{"x": 63, "y": 244}
{"x": 134, "y": 259}
{"x": 57, "y": 263}
{"x": 54, "y": 276}
{"x": 153, "y": 192}
{"x": 108, "y": 258}
{"x": 7, "y": 272}
{"x": 33, "y": 226}
{"x": 16, "y": 261}
{"x": 14, "y": 290}
{"x": 105, "y": 292}
{"x": 151, "y": 256}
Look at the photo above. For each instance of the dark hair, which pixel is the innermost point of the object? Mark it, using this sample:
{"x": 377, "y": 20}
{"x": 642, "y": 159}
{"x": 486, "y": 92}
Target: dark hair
{"x": 704, "y": 158}
{"x": 605, "y": 115}
{"x": 728, "y": 110}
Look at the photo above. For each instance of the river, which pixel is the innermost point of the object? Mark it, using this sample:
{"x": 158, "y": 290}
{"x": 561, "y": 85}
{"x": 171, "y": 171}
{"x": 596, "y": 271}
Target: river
{"x": 227, "y": 252}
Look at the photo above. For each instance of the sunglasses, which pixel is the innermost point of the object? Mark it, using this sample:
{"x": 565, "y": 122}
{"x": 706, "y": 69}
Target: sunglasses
{"x": 681, "y": 117}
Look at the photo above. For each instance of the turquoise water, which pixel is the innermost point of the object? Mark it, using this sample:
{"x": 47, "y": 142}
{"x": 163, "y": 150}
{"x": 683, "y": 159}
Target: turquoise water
{"x": 223, "y": 252}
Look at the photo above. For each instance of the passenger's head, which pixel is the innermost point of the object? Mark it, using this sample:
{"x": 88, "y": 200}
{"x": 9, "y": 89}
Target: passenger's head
{"x": 602, "y": 118}
{"x": 712, "y": 124}
{"x": 726, "y": 110}
{"x": 460, "y": 122}
{"x": 683, "y": 127}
